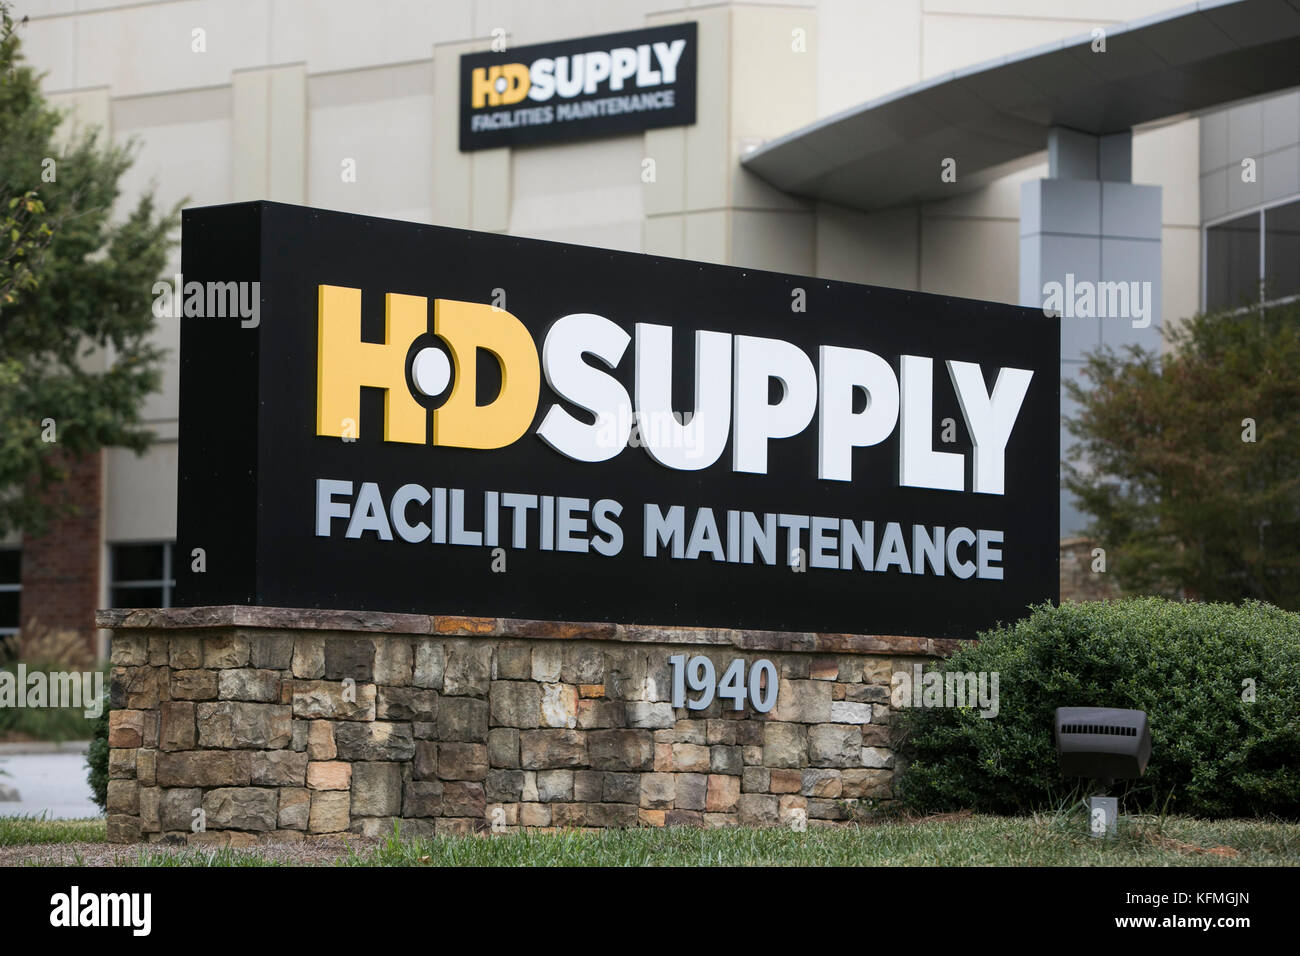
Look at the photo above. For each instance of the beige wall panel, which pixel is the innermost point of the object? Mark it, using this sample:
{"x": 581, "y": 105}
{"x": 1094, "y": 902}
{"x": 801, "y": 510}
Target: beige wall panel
{"x": 287, "y": 40}
{"x": 1113, "y": 10}
{"x": 85, "y": 110}
{"x": 777, "y": 241}
{"x": 705, "y": 235}
{"x": 179, "y": 132}
{"x": 49, "y": 45}
{"x": 1170, "y": 157}
{"x": 251, "y": 127}
{"x": 865, "y": 49}
{"x": 150, "y": 47}
{"x": 146, "y": 47}
{"x": 470, "y": 190}
{"x": 877, "y": 248}
{"x": 189, "y": 131}
{"x": 622, "y": 236}
{"x": 161, "y": 408}
{"x": 951, "y": 42}
{"x": 140, "y": 494}
{"x": 974, "y": 258}
{"x": 707, "y": 149}
{"x": 288, "y": 100}
{"x": 380, "y": 120}
{"x": 528, "y": 21}
{"x": 452, "y": 170}
{"x": 667, "y": 193}
{"x": 1000, "y": 199}
{"x": 693, "y": 6}
{"x": 664, "y": 236}
{"x": 773, "y": 92}
{"x": 566, "y": 188}
{"x": 45, "y": 8}
{"x": 750, "y": 192}
{"x": 1180, "y": 273}
{"x": 490, "y": 190}
{"x": 345, "y": 35}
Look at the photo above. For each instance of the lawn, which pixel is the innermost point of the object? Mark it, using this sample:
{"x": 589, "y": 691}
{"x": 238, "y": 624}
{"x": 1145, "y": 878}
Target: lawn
{"x": 953, "y": 840}
{"x": 36, "y": 831}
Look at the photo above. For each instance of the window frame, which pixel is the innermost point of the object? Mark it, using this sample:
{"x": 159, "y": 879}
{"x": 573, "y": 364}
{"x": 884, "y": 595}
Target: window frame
{"x": 166, "y": 584}
{"x": 1258, "y": 211}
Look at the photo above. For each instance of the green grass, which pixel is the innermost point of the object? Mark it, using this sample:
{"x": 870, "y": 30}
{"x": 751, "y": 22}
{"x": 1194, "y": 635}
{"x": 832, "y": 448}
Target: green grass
{"x": 31, "y": 831}
{"x": 1043, "y": 840}
{"x": 1056, "y": 840}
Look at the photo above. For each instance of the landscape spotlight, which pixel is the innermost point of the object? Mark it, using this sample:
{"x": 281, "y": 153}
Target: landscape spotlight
{"x": 1103, "y": 744}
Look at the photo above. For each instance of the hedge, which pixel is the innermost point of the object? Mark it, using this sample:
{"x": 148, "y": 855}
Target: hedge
{"x": 1192, "y": 667}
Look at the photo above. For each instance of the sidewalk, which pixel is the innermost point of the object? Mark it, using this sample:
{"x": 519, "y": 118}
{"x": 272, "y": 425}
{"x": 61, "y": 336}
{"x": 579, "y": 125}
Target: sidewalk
{"x": 50, "y": 779}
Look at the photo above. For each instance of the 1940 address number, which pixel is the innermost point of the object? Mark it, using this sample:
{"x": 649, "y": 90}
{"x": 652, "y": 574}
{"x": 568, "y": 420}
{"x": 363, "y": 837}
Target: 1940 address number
{"x": 699, "y": 675}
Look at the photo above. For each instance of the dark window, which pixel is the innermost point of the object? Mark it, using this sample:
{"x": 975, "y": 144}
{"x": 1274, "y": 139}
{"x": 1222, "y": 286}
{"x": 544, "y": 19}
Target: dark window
{"x": 1235, "y": 274}
{"x": 11, "y": 561}
{"x": 11, "y": 586}
{"x": 1282, "y": 251}
{"x": 1232, "y": 263}
{"x": 140, "y": 575}
{"x": 134, "y": 596}
{"x": 138, "y": 562}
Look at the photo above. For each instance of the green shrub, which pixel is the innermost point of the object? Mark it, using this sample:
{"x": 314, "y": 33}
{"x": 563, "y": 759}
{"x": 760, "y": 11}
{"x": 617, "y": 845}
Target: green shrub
{"x": 97, "y": 760}
{"x": 55, "y": 724}
{"x": 1213, "y": 753}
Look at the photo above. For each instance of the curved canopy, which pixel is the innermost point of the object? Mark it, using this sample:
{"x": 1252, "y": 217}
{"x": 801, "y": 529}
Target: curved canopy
{"x": 888, "y": 151}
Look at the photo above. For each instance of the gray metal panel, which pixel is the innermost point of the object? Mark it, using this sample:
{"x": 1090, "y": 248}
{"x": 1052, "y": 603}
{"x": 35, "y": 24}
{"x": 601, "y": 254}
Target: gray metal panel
{"x": 888, "y": 151}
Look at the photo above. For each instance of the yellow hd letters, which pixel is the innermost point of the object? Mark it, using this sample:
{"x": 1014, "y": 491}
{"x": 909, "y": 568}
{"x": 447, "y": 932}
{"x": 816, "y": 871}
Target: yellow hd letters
{"x": 345, "y": 365}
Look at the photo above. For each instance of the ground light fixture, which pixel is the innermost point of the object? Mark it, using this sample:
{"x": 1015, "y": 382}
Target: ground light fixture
{"x": 1102, "y": 744}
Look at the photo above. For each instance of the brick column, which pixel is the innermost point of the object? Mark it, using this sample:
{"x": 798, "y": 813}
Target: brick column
{"x": 61, "y": 571}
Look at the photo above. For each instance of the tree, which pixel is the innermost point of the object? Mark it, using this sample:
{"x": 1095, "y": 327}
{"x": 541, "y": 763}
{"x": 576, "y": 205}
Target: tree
{"x": 24, "y": 233}
{"x": 75, "y": 284}
{"x": 1192, "y": 473}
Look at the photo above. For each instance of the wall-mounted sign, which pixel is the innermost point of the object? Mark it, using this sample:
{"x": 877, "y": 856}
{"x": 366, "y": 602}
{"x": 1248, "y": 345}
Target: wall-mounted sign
{"x": 576, "y": 89}
{"x": 439, "y": 421}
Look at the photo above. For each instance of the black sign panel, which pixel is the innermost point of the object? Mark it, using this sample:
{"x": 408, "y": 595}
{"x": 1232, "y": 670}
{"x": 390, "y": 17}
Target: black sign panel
{"x": 576, "y": 89}
{"x": 410, "y": 418}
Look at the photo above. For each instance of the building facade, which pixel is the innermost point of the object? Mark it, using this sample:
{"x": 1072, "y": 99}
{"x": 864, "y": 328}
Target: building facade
{"x": 355, "y": 107}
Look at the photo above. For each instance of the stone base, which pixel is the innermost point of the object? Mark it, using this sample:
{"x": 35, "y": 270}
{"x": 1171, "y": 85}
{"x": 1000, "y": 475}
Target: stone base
{"x": 240, "y": 725}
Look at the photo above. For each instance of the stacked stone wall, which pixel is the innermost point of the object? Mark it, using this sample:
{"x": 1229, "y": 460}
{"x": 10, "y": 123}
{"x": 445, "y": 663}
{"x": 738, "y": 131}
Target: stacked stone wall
{"x": 235, "y": 734}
